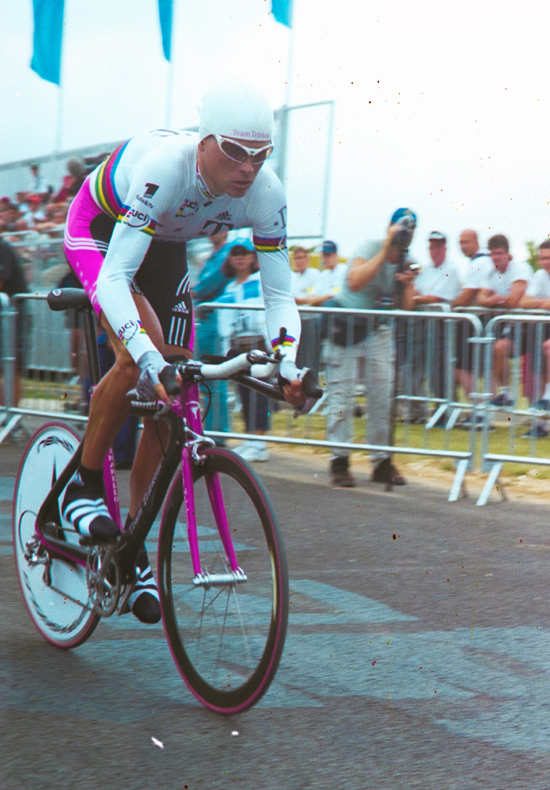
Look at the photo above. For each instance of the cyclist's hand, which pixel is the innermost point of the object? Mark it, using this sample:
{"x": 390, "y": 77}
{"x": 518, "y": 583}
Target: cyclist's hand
{"x": 289, "y": 381}
{"x": 293, "y": 393}
{"x": 157, "y": 379}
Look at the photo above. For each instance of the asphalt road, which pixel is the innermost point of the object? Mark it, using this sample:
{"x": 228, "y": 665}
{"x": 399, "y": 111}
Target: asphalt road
{"x": 418, "y": 656}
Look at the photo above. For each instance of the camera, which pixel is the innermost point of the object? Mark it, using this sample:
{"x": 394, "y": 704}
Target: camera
{"x": 403, "y": 236}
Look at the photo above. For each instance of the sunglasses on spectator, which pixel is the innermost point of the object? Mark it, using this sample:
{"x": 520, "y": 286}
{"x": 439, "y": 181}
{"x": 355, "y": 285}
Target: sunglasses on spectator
{"x": 240, "y": 153}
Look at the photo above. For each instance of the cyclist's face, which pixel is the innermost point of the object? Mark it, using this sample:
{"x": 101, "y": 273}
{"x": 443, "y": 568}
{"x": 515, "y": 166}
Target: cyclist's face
{"x": 222, "y": 174}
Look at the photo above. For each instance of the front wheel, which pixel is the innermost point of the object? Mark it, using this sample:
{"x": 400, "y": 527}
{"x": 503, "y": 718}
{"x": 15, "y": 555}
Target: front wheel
{"x": 55, "y": 591}
{"x": 226, "y": 640}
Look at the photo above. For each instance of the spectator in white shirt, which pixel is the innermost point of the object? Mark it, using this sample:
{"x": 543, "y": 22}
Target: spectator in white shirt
{"x": 304, "y": 277}
{"x": 503, "y": 288}
{"x": 332, "y": 277}
{"x": 537, "y": 297}
{"x": 439, "y": 281}
{"x": 37, "y": 184}
{"x": 477, "y": 269}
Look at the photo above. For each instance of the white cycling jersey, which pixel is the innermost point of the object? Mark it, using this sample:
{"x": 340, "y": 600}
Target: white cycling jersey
{"x": 152, "y": 186}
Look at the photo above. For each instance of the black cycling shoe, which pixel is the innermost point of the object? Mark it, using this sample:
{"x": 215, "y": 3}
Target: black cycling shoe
{"x": 144, "y": 601}
{"x": 85, "y": 509}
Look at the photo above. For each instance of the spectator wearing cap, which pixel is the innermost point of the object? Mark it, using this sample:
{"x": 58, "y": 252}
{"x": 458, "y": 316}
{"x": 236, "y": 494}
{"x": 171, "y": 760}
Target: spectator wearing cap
{"x": 372, "y": 282}
{"x": 503, "y": 288}
{"x": 331, "y": 278}
{"x": 35, "y": 213}
{"x": 246, "y": 330}
{"x": 437, "y": 283}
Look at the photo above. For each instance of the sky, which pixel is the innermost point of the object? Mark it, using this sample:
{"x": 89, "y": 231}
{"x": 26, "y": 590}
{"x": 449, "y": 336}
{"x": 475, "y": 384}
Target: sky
{"x": 442, "y": 107}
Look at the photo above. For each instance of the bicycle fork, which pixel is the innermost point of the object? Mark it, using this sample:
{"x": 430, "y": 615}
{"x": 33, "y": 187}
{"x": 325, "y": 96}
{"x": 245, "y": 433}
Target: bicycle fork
{"x": 195, "y": 441}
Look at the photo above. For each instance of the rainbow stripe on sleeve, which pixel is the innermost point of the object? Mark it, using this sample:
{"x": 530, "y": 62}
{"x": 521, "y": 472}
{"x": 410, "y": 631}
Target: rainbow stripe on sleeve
{"x": 288, "y": 341}
{"x": 151, "y": 227}
{"x": 105, "y": 189}
{"x": 269, "y": 245}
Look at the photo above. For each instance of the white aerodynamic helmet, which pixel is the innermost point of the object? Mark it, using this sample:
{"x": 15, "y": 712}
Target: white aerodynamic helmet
{"x": 235, "y": 108}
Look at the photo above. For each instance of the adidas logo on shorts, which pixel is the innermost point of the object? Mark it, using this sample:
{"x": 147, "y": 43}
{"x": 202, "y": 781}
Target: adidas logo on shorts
{"x": 180, "y": 308}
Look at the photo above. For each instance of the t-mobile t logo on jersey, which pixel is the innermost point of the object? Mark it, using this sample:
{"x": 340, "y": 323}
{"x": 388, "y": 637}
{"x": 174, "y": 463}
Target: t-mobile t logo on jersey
{"x": 150, "y": 190}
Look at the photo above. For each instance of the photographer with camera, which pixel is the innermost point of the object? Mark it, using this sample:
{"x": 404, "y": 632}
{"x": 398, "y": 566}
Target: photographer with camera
{"x": 377, "y": 279}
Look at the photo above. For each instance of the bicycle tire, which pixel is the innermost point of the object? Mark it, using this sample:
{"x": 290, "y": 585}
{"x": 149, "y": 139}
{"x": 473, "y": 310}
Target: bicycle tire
{"x": 60, "y": 609}
{"x": 227, "y": 641}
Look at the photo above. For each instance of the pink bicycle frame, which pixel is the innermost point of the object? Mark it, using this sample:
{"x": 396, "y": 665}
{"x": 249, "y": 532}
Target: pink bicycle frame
{"x": 190, "y": 408}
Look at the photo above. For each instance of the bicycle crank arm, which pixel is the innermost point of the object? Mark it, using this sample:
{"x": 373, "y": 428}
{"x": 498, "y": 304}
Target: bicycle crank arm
{"x": 205, "y": 579}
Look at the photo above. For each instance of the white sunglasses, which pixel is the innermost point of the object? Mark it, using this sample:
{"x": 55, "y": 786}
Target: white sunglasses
{"x": 240, "y": 153}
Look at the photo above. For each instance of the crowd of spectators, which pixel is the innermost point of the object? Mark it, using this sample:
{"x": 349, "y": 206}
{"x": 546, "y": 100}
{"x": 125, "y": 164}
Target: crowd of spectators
{"x": 32, "y": 222}
{"x": 33, "y": 219}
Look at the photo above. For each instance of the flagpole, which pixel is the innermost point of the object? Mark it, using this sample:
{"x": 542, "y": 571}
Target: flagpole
{"x": 170, "y": 76}
{"x": 169, "y": 92}
{"x": 59, "y": 120}
{"x": 286, "y": 106}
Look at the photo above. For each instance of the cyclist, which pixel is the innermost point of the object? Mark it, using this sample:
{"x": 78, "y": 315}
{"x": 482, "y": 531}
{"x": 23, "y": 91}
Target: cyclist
{"x": 125, "y": 239}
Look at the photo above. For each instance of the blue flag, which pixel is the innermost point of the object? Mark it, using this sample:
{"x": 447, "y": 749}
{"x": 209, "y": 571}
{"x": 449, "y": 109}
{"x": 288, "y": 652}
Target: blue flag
{"x": 48, "y": 33}
{"x": 282, "y": 11}
{"x": 165, "y": 16}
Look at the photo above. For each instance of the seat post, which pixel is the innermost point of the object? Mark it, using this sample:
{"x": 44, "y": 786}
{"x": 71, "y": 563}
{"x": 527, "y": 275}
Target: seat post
{"x": 91, "y": 345}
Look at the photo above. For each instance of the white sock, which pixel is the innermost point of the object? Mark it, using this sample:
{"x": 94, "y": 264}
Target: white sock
{"x": 546, "y": 395}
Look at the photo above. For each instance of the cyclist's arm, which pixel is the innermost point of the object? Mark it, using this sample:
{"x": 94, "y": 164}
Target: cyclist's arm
{"x": 128, "y": 246}
{"x": 280, "y": 305}
{"x": 267, "y": 212}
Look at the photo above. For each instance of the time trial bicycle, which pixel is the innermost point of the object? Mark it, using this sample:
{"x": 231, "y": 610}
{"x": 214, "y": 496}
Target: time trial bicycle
{"x": 222, "y": 570}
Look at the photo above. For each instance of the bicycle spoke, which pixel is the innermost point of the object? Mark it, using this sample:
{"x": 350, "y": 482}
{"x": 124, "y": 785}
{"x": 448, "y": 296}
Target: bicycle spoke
{"x": 227, "y": 642}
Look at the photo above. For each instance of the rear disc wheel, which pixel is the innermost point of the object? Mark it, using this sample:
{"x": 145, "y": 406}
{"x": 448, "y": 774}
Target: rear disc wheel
{"x": 55, "y": 591}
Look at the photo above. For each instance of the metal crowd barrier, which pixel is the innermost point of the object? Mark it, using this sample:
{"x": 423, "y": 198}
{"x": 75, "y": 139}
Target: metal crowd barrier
{"x": 526, "y": 333}
{"x": 431, "y": 346}
{"x": 39, "y": 253}
{"x": 437, "y": 347}
{"x": 52, "y": 388}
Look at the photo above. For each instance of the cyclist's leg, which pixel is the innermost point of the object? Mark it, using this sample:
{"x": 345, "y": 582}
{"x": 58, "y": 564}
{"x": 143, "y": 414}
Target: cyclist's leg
{"x": 109, "y": 406}
{"x": 87, "y": 236}
{"x": 164, "y": 280}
